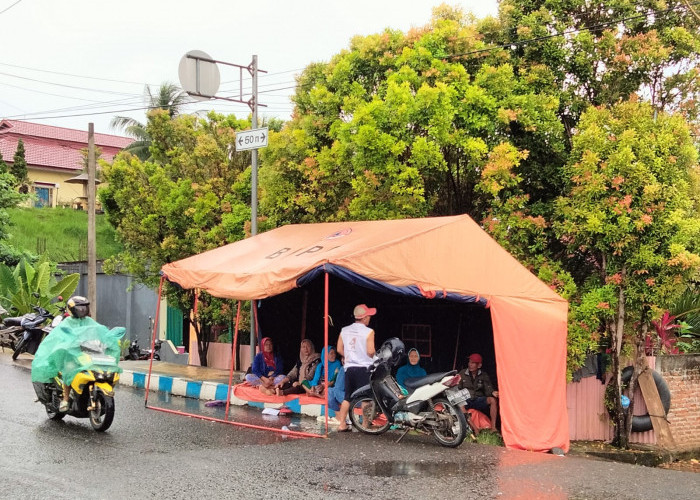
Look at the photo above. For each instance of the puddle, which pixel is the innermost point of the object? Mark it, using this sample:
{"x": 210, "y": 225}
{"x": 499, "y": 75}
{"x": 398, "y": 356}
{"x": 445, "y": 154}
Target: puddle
{"x": 433, "y": 469}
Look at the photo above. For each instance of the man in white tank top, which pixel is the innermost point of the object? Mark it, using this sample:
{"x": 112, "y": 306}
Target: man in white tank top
{"x": 356, "y": 344}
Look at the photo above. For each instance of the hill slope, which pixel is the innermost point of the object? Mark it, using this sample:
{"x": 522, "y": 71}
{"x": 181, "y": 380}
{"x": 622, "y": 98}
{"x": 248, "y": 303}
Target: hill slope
{"x": 61, "y": 232}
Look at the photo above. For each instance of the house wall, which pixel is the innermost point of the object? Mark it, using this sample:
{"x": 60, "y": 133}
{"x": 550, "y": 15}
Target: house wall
{"x": 682, "y": 374}
{"x": 65, "y": 193}
{"x": 589, "y": 420}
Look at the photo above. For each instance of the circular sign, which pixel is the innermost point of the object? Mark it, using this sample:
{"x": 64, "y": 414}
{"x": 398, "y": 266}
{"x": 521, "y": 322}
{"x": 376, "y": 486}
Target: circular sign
{"x": 199, "y": 77}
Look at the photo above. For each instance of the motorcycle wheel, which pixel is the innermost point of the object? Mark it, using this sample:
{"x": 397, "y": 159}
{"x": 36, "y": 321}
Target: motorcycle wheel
{"x": 366, "y": 416}
{"x": 21, "y": 344}
{"x": 52, "y": 407}
{"x": 453, "y": 424}
{"x": 103, "y": 414}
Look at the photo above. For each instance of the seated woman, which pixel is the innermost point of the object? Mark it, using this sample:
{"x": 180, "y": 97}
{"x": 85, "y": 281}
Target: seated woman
{"x": 266, "y": 371}
{"x": 411, "y": 369}
{"x": 316, "y": 385}
{"x": 303, "y": 370}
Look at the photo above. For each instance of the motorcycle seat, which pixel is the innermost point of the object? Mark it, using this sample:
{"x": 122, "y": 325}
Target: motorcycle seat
{"x": 32, "y": 322}
{"x": 416, "y": 382}
{"x": 13, "y": 321}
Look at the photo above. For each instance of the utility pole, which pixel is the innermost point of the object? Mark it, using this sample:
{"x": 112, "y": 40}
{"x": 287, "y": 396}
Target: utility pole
{"x": 91, "y": 247}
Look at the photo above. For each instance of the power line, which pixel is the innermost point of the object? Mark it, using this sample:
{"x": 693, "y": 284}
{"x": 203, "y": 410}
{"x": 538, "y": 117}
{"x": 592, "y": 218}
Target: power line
{"x": 71, "y": 74}
{"x": 65, "y": 86}
{"x": 8, "y": 8}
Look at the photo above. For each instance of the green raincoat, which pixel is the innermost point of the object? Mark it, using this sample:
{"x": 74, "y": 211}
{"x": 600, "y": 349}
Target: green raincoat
{"x": 76, "y": 345}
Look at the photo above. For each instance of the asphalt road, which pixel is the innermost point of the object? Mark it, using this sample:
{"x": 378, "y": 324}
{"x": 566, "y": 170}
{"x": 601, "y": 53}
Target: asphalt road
{"x": 151, "y": 454}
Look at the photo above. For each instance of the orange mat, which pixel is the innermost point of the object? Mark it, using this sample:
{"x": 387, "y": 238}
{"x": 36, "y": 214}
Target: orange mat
{"x": 249, "y": 393}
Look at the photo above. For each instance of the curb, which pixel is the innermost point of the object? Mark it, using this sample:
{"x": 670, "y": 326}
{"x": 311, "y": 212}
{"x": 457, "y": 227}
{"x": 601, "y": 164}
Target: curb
{"x": 210, "y": 391}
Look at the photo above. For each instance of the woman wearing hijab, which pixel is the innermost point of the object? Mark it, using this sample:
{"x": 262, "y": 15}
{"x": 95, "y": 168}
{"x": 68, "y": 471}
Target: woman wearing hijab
{"x": 411, "y": 369}
{"x": 303, "y": 370}
{"x": 315, "y": 386}
{"x": 266, "y": 371}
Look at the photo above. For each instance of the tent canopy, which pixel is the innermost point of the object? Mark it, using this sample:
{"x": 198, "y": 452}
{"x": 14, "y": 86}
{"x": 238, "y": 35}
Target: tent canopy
{"x": 436, "y": 258}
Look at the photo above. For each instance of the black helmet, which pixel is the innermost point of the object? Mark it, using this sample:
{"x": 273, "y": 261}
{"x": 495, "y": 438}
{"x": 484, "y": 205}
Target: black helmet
{"x": 392, "y": 350}
{"x": 78, "y": 306}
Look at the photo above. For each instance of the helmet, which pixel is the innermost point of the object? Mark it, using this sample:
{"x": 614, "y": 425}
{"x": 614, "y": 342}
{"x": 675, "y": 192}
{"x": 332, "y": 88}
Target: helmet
{"x": 392, "y": 350}
{"x": 78, "y": 306}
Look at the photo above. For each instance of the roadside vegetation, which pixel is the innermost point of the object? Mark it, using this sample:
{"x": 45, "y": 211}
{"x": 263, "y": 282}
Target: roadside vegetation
{"x": 61, "y": 233}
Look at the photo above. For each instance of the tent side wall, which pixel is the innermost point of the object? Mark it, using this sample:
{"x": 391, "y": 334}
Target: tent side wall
{"x": 527, "y": 336}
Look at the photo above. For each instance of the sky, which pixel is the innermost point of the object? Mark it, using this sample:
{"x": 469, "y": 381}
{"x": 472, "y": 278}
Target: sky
{"x": 70, "y": 62}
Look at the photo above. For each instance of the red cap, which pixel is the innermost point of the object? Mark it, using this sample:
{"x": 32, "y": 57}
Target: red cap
{"x": 362, "y": 311}
{"x": 476, "y": 358}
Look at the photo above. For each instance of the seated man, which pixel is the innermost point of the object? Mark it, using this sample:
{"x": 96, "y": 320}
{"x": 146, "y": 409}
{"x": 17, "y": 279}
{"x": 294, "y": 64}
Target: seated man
{"x": 483, "y": 397}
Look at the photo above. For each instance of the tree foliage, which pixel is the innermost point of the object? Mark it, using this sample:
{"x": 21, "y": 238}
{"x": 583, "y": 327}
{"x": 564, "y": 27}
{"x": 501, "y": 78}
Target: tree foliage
{"x": 19, "y": 166}
{"x": 29, "y": 285}
{"x": 631, "y": 212}
{"x": 192, "y": 195}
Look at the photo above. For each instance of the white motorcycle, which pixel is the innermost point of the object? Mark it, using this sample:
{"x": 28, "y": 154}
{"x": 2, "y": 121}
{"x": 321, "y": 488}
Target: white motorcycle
{"x": 432, "y": 406}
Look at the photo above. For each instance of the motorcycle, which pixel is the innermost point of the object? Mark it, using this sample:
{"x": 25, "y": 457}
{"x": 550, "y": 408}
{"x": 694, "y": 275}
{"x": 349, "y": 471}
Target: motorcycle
{"x": 29, "y": 329}
{"x": 432, "y": 406}
{"x": 135, "y": 351}
{"x": 91, "y": 391}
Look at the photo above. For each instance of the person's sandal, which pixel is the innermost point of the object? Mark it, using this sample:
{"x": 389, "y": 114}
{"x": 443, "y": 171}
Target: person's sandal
{"x": 63, "y": 407}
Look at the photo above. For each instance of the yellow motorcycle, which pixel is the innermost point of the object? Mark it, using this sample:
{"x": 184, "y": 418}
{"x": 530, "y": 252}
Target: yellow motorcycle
{"x": 91, "y": 390}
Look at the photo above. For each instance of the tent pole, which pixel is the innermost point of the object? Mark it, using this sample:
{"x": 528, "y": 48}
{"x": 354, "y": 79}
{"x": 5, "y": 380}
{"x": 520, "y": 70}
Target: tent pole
{"x": 233, "y": 360}
{"x": 153, "y": 338}
{"x": 459, "y": 330}
{"x": 325, "y": 345}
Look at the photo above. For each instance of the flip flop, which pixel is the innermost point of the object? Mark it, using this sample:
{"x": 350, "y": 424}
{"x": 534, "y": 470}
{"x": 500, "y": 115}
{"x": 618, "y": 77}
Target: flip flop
{"x": 347, "y": 429}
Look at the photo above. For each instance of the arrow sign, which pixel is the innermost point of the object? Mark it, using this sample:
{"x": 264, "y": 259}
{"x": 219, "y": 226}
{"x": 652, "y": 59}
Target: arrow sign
{"x": 251, "y": 139}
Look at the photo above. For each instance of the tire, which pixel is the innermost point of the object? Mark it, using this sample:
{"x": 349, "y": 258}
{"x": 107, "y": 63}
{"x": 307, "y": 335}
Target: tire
{"x": 367, "y": 417}
{"x": 20, "y": 348}
{"x": 103, "y": 414}
{"x": 52, "y": 407}
{"x": 454, "y": 424}
{"x": 642, "y": 423}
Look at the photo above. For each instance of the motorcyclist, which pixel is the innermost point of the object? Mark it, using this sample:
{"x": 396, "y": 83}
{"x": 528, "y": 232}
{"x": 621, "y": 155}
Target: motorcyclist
{"x": 79, "y": 308}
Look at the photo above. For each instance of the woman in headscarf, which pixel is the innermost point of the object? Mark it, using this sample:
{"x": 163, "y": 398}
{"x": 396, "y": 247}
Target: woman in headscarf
{"x": 315, "y": 386}
{"x": 411, "y": 369}
{"x": 266, "y": 371}
{"x": 303, "y": 370}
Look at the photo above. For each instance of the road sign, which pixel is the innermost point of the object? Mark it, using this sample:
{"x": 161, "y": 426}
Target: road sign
{"x": 251, "y": 139}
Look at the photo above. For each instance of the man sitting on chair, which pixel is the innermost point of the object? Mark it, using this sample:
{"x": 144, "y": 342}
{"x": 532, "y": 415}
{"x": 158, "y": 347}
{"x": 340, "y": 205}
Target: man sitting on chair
{"x": 483, "y": 397}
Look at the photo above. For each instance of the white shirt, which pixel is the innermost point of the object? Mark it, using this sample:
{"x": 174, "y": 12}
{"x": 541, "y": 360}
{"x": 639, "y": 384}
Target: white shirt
{"x": 355, "y": 345}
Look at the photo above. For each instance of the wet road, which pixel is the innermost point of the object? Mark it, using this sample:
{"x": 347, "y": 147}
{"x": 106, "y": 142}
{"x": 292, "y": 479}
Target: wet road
{"x": 151, "y": 454}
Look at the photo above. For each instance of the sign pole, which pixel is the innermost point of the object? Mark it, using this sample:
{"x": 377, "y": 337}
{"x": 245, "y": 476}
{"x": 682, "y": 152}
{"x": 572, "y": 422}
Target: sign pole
{"x": 254, "y": 199}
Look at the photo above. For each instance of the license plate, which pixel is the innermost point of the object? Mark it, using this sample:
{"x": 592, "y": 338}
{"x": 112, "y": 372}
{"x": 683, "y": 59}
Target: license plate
{"x": 102, "y": 359}
{"x": 457, "y": 396}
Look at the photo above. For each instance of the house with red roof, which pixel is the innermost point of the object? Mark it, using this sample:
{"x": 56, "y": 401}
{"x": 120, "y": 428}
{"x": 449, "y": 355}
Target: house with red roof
{"x": 53, "y": 157}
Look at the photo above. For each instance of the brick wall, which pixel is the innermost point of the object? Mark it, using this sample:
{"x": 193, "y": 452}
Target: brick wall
{"x": 682, "y": 374}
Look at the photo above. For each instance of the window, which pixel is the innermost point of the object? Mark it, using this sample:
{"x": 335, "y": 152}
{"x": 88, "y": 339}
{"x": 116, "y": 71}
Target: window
{"x": 418, "y": 336}
{"x": 44, "y": 196}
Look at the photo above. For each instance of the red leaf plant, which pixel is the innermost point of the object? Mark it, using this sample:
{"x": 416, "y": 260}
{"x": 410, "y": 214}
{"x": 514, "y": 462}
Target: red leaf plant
{"x": 667, "y": 338}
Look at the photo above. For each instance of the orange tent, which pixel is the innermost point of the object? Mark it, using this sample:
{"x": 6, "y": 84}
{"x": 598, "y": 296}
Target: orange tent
{"x": 438, "y": 258}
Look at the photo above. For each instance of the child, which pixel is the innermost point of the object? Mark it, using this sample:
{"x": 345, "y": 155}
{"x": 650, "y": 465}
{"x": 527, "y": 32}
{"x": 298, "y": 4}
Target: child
{"x": 315, "y": 386}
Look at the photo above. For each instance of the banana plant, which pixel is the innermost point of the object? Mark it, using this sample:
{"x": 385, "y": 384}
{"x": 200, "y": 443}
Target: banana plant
{"x": 29, "y": 285}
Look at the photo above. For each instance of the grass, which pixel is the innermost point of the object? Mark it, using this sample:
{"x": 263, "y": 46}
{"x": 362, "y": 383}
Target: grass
{"x": 61, "y": 232}
{"x": 488, "y": 437}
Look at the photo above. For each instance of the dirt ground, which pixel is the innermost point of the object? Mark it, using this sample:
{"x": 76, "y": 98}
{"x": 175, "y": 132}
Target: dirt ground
{"x": 687, "y": 461}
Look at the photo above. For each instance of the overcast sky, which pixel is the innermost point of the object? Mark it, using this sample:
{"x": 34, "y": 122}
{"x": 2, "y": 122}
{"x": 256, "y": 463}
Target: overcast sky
{"x": 84, "y": 57}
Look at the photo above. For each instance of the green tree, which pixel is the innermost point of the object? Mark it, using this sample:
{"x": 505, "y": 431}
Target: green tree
{"x": 3, "y": 166}
{"x": 19, "y": 167}
{"x": 191, "y": 196}
{"x": 169, "y": 97}
{"x": 604, "y": 52}
{"x": 631, "y": 212}
{"x": 392, "y": 127}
